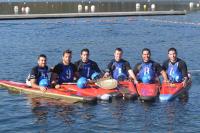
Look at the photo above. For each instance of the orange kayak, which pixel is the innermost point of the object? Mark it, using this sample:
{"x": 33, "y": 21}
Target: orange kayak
{"x": 147, "y": 92}
{"x": 71, "y": 92}
{"x": 170, "y": 91}
{"x": 67, "y": 95}
{"x": 125, "y": 89}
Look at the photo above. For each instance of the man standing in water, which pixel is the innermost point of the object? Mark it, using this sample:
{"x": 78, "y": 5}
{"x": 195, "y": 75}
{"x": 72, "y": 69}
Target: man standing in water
{"x": 85, "y": 66}
{"x": 64, "y": 71}
{"x": 176, "y": 68}
{"x": 148, "y": 70}
{"x": 119, "y": 68}
{"x": 38, "y": 78}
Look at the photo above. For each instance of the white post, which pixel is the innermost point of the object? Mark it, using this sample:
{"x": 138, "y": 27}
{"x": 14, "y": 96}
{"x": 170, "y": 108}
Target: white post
{"x": 92, "y": 8}
{"x": 137, "y": 6}
{"x": 191, "y": 5}
{"x": 153, "y": 7}
{"x": 27, "y": 10}
{"x": 23, "y": 9}
{"x": 16, "y": 9}
{"x": 80, "y": 8}
{"x": 145, "y": 7}
{"x": 86, "y": 8}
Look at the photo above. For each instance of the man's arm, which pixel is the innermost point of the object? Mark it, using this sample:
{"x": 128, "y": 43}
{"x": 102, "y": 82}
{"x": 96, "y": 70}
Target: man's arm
{"x": 136, "y": 68}
{"x": 96, "y": 67}
{"x": 76, "y": 74}
{"x": 165, "y": 65}
{"x": 130, "y": 72}
{"x": 55, "y": 76}
{"x": 132, "y": 75}
{"x": 164, "y": 75}
{"x": 34, "y": 85}
{"x": 108, "y": 70}
{"x": 161, "y": 71}
{"x": 184, "y": 71}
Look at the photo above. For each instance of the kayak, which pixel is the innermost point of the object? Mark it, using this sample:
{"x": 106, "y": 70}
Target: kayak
{"x": 67, "y": 95}
{"x": 124, "y": 89}
{"x": 92, "y": 90}
{"x": 147, "y": 92}
{"x": 170, "y": 91}
{"x": 127, "y": 89}
{"x": 71, "y": 91}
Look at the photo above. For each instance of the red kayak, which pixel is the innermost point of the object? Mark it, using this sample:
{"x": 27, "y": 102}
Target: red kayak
{"x": 72, "y": 92}
{"x": 92, "y": 90}
{"x": 125, "y": 88}
{"x": 170, "y": 91}
{"x": 67, "y": 95}
{"x": 147, "y": 92}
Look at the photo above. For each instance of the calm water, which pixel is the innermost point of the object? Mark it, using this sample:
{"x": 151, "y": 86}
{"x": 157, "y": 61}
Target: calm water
{"x": 21, "y": 42}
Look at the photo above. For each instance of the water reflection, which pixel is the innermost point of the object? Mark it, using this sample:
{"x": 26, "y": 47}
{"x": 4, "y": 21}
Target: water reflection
{"x": 174, "y": 110}
{"x": 42, "y": 107}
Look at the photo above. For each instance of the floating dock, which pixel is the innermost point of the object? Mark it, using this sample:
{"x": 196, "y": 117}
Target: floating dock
{"x": 85, "y": 15}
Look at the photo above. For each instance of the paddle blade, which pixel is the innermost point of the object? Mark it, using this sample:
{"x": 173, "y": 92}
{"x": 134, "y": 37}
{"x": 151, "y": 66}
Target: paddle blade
{"x": 107, "y": 83}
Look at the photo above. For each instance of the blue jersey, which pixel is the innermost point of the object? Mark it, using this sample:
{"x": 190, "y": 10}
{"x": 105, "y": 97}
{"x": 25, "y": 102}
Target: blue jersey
{"x": 119, "y": 70}
{"x": 147, "y": 73}
{"x": 86, "y": 70}
{"x": 40, "y": 74}
{"x": 43, "y": 74}
{"x": 174, "y": 74}
{"x": 67, "y": 74}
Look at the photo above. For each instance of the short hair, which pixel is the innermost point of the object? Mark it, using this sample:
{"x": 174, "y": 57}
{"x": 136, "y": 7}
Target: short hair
{"x": 85, "y": 50}
{"x": 119, "y": 49}
{"x": 172, "y": 49}
{"x": 42, "y": 55}
{"x": 68, "y": 51}
{"x": 146, "y": 49}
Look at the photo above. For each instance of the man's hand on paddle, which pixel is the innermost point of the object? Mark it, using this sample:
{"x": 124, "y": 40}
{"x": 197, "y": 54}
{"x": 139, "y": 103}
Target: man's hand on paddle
{"x": 57, "y": 86}
{"x": 107, "y": 74}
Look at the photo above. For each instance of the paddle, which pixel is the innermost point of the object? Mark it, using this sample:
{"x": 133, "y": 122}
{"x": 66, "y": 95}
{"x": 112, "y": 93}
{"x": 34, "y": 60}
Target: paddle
{"x": 107, "y": 83}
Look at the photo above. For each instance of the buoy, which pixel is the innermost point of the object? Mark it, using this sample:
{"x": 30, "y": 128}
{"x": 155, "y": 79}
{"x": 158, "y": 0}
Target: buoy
{"x": 27, "y": 10}
{"x": 137, "y": 6}
{"x": 153, "y": 7}
{"x": 16, "y": 9}
{"x": 80, "y": 8}
{"x": 145, "y": 7}
{"x": 105, "y": 97}
{"x": 86, "y": 8}
{"x": 92, "y": 8}
{"x": 191, "y": 5}
{"x": 23, "y": 9}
